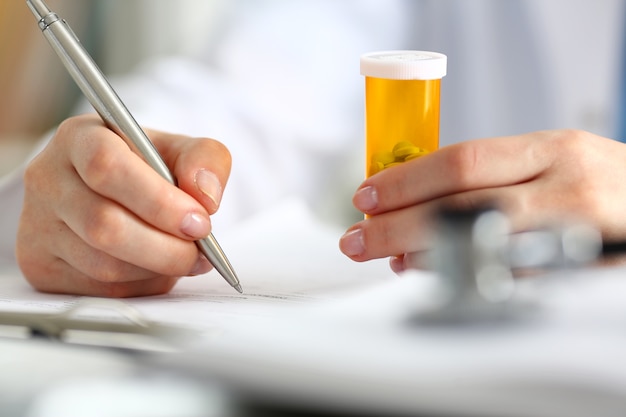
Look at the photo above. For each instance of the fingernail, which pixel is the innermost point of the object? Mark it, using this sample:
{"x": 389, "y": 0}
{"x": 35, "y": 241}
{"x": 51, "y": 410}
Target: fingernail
{"x": 208, "y": 183}
{"x": 352, "y": 243}
{"x": 195, "y": 225}
{"x": 202, "y": 266}
{"x": 366, "y": 199}
{"x": 397, "y": 263}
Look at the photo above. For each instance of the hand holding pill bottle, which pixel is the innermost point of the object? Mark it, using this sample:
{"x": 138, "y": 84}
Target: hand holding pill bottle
{"x": 402, "y": 101}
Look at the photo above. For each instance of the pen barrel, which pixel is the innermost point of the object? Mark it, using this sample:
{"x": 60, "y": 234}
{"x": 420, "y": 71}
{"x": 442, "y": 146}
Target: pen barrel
{"x": 214, "y": 253}
{"x": 99, "y": 92}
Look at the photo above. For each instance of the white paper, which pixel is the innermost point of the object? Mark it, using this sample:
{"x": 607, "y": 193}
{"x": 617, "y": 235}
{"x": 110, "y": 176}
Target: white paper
{"x": 283, "y": 257}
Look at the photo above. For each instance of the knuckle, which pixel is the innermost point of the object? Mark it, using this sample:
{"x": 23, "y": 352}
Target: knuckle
{"x": 99, "y": 162}
{"x": 38, "y": 179}
{"x": 66, "y": 129}
{"x": 105, "y": 229}
{"x": 463, "y": 162}
{"x": 108, "y": 272}
{"x": 32, "y": 178}
{"x": 73, "y": 129}
{"x": 571, "y": 141}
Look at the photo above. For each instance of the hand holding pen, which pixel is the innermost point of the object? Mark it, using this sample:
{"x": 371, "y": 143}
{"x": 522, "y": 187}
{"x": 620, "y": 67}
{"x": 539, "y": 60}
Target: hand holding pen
{"x": 97, "y": 219}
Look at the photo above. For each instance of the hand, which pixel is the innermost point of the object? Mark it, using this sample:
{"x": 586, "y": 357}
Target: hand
{"x": 97, "y": 220}
{"x": 533, "y": 178}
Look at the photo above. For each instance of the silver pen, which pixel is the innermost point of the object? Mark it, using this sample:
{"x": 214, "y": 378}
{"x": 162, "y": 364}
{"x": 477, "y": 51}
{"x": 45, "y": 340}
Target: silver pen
{"x": 114, "y": 113}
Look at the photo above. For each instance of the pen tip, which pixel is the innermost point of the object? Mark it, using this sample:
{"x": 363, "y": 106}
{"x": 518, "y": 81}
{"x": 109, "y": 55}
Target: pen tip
{"x": 238, "y": 288}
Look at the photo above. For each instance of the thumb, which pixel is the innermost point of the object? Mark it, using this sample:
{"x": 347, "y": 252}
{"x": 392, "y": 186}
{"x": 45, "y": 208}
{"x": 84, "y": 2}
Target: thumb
{"x": 201, "y": 166}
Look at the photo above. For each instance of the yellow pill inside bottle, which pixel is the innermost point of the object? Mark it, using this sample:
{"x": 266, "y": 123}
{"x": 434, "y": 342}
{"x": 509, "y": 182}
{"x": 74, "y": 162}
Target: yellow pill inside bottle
{"x": 402, "y": 104}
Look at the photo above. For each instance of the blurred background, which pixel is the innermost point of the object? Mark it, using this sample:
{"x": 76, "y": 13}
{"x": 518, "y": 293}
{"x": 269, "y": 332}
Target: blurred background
{"x": 36, "y": 91}
{"x": 279, "y": 79}
{"x": 35, "y": 94}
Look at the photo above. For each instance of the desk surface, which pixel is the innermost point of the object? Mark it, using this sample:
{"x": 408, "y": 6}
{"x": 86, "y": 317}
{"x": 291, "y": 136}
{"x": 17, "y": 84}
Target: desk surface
{"x": 316, "y": 328}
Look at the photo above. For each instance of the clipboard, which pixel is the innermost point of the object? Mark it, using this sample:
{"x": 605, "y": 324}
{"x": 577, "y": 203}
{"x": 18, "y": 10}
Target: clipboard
{"x": 126, "y": 329}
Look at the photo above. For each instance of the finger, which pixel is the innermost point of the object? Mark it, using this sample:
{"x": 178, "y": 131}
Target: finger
{"x": 109, "y": 168}
{"x": 201, "y": 166}
{"x": 388, "y": 234}
{"x": 411, "y": 229}
{"x": 56, "y": 276}
{"x": 102, "y": 266}
{"x": 472, "y": 165}
{"x": 110, "y": 228}
{"x": 53, "y": 259}
{"x": 407, "y": 261}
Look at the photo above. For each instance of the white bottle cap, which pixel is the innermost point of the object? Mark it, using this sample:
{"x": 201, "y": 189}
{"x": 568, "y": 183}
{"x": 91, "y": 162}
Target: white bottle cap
{"x": 404, "y": 65}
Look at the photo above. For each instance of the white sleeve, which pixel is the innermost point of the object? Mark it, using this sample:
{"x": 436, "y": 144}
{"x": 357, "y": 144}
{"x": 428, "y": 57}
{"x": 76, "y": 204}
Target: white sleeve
{"x": 11, "y": 197}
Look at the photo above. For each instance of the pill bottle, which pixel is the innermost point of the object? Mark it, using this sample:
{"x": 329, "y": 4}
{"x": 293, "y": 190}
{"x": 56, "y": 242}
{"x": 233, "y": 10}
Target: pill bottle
{"x": 402, "y": 100}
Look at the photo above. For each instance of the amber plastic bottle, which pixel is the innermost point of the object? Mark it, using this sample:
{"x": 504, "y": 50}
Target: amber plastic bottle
{"x": 402, "y": 102}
